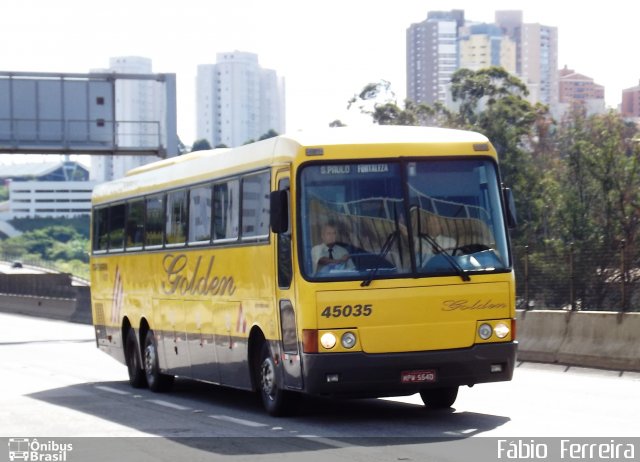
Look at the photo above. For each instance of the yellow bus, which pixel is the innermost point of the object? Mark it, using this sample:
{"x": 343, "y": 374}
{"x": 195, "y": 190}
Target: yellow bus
{"x": 344, "y": 262}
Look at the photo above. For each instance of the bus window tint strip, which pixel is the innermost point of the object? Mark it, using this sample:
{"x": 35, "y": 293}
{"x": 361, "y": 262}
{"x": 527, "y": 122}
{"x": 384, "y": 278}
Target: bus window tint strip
{"x": 198, "y": 216}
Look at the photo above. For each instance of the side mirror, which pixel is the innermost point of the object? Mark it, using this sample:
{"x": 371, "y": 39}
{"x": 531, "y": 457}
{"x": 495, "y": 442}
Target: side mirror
{"x": 279, "y": 211}
{"x": 510, "y": 205}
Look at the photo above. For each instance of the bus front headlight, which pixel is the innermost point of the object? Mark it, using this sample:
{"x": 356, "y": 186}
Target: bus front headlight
{"x": 501, "y": 330}
{"x": 328, "y": 340}
{"x": 348, "y": 340}
{"x": 484, "y": 331}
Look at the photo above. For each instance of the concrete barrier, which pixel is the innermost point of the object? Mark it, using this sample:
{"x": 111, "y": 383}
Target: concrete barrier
{"x": 46, "y": 295}
{"x": 583, "y": 338}
{"x": 540, "y": 334}
{"x": 66, "y": 309}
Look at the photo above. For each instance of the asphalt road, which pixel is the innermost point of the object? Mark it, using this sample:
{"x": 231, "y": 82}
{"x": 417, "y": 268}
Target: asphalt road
{"x": 57, "y": 386}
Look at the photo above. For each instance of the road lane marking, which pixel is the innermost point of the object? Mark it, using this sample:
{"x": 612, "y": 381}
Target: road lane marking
{"x": 160, "y": 402}
{"x": 112, "y": 390}
{"x": 326, "y": 441}
{"x": 247, "y": 423}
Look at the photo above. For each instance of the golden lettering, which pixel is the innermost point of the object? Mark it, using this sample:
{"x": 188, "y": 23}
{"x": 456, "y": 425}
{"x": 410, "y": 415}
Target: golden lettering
{"x": 199, "y": 283}
{"x": 464, "y": 305}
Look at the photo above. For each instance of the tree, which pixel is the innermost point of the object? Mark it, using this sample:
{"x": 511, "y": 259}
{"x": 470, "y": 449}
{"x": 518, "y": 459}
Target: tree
{"x": 201, "y": 145}
{"x": 270, "y": 134}
{"x": 182, "y": 148}
{"x": 379, "y": 101}
{"x": 485, "y": 87}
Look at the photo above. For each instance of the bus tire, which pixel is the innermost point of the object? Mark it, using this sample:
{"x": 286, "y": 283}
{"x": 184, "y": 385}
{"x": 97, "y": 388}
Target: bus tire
{"x": 274, "y": 398}
{"x": 137, "y": 378}
{"x": 439, "y": 398}
{"x": 156, "y": 380}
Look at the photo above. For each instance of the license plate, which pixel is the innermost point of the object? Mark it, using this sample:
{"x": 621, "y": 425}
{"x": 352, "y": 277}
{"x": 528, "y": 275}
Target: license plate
{"x": 423, "y": 376}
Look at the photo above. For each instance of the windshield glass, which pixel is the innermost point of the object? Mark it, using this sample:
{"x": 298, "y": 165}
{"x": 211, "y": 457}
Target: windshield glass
{"x": 456, "y": 218}
{"x": 357, "y": 223}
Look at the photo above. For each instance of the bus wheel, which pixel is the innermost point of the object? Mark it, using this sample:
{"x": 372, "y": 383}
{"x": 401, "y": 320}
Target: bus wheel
{"x": 273, "y": 397}
{"x": 137, "y": 378}
{"x": 439, "y": 398}
{"x": 156, "y": 380}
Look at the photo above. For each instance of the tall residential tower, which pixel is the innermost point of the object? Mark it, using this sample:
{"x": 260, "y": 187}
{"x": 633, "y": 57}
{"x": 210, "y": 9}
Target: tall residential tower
{"x": 432, "y": 55}
{"x": 537, "y": 56}
{"x": 138, "y": 107}
{"x": 237, "y": 100}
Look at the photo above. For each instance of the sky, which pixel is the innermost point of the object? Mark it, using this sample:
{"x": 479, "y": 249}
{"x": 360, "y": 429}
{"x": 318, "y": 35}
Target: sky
{"x": 326, "y": 50}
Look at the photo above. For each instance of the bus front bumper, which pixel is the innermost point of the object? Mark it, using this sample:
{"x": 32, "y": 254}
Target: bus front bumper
{"x": 396, "y": 374}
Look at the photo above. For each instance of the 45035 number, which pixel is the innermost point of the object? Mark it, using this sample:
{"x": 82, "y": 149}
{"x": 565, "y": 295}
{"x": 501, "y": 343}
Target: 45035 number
{"x": 337, "y": 311}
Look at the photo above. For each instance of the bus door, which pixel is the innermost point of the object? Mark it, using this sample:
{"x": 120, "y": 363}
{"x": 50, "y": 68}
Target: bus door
{"x": 285, "y": 294}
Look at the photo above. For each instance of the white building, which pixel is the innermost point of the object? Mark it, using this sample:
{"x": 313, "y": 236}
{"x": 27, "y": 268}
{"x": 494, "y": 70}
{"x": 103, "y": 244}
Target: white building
{"x": 137, "y": 109}
{"x": 48, "y": 189}
{"x": 237, "y": 100}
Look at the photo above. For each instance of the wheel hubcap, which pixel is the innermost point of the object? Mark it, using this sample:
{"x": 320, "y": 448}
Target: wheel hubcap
{"x": 149, "y": 359}
{"x": 268, "y": 378}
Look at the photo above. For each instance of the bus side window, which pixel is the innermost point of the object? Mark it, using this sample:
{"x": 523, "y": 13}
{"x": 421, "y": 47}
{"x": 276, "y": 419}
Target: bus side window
{"x": 100, "y": 229}
{"x": 255, "y": 206}
{"x": 285, "y": 269}
{"x": 154, "y": 222}
{"x": 116, "y": 227}
{"x": 226, "y": 209}
{"x": 200, "y": 214}
{"x": 176, "y": 225}
{"x": 135, "y": 224}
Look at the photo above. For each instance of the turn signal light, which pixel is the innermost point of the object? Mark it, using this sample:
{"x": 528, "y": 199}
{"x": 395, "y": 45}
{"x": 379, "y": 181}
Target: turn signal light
{"x": 310, "y": 340}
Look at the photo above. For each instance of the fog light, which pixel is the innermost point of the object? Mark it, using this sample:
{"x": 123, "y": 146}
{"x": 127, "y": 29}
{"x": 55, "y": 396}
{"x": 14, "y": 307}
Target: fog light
{"x": 328, "y": 340}
{"x": 333, "y": 378}
{"x": 495, "y": 368}
{"x": 501, "y": 330}
{"x": 485, "y": 331}
{"x": 348, "y": 340}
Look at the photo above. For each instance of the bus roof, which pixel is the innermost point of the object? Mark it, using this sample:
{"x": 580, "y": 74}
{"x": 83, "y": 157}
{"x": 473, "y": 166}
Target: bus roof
{"x": 200, "y": 166}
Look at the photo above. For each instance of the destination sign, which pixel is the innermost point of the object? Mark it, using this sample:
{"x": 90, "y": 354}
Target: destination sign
{"x": 347, "y": 169}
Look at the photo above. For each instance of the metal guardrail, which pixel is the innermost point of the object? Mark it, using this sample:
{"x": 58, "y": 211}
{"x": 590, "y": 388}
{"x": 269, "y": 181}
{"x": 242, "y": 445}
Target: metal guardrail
{"x": 45, "y": 267}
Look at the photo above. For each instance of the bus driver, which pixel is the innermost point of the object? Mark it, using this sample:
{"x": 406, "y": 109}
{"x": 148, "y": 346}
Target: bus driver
{"x": 328, "y": 253}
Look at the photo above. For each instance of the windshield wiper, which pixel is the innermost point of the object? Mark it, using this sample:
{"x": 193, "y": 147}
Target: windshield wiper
{"x": 441, "y": 251}
{"x": 381, "y": 258}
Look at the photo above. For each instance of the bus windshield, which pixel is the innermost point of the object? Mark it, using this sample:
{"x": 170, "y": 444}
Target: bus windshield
{"x": 418, "y": 218}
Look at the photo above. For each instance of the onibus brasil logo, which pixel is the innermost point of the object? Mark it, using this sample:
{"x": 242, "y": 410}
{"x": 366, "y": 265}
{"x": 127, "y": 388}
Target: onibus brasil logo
{"x": 30, "y": 449}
